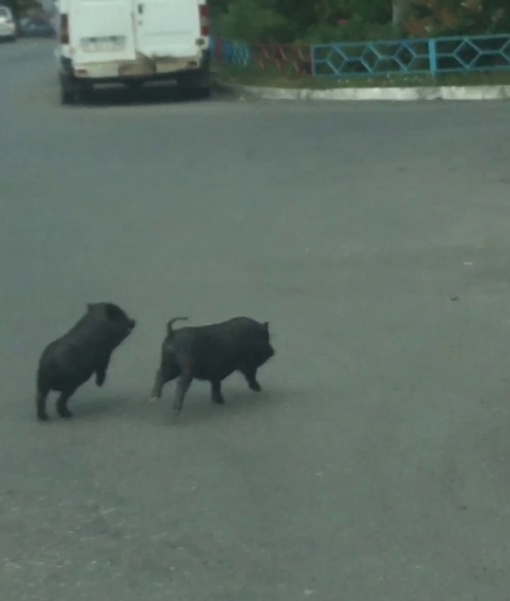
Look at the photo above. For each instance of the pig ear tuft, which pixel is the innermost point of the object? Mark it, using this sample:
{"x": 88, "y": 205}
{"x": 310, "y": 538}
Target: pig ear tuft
{"x": 112, "y": 312}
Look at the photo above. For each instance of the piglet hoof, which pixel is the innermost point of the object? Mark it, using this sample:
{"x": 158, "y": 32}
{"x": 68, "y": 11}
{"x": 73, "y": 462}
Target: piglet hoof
{"x": 153, "y": 399}
{"x": 256, "y": 387}
{"x": 42, "y": 417}
{"x": 218, "y": 400}
{"x": 65, "y": 414}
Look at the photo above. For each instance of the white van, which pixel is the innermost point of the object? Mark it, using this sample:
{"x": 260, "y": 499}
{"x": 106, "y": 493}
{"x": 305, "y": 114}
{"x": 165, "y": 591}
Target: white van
{"x": 7, "y": 25}
{"x": 132, "y": 42}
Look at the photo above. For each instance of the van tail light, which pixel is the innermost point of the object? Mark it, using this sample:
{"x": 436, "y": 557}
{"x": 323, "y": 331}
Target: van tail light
{"x": 204, "y": 20}
{"x": 64, "y": 29}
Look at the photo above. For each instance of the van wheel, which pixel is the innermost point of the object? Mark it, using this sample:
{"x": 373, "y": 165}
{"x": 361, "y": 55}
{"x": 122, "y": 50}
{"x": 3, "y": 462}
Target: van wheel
{"x": 83, "y": 94}
{"x": 202, "y": 93}
{"x": 66, "y": 96}
{"x": 196, "y": 92}
{"x": 196, "y": 86}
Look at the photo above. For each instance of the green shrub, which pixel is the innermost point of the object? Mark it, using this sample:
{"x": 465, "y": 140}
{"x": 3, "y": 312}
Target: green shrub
{"x": 354, "y": 30}
{"x": 316, "y": 21}
{"x": 251, "y": 22}
{"x": 453, "y": 18}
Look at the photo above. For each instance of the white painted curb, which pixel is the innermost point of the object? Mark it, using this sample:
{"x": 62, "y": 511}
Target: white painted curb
{"x": 393, "y": 94}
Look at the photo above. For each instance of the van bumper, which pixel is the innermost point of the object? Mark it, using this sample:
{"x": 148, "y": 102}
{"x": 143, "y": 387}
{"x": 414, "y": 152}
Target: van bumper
{"x": 140, "y": 70}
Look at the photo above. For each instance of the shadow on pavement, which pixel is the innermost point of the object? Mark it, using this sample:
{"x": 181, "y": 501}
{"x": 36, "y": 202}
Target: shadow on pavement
{"x": 115, "y": 96}
{"x": 137, "y": 407}
{"x": 147, "y": 95}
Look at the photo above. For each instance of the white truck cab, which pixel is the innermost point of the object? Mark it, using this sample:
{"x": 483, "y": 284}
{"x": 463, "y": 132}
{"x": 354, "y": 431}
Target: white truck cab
{"x": 131, "y": 42}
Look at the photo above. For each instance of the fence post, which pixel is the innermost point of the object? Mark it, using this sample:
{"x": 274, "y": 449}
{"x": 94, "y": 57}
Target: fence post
{"x": 218, "y": 49}
{"x": 432, "y": 57}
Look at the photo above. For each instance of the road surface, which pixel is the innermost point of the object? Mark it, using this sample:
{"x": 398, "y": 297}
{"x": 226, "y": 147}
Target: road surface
{"x": 373, "y": 237}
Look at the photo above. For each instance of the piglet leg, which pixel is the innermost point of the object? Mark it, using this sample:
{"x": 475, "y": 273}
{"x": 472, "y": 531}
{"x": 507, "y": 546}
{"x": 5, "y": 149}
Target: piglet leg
{"x": 183, "y": 385}
{"x": 216, "y": 395}
{"x": 62, "y": 401}
{"x": 42, "y": 395}
{"x": 250, "y": 374}
{"x": 157, "y": 389}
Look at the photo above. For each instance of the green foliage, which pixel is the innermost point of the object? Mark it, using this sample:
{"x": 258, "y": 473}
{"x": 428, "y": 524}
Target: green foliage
{"x": 484, "y": 17}
{"x": 21, "y": 7}
{"x": 371, "y": 11}
{"x": 286, "y": 21}
{"x": 470, "y": 17}
{"x": 354, "y": 30}
{"x": 299, "y": 20}
{"x": 219, "y": 4}
{"x": 252, "y": 21}
{"x": 311, "y": 13}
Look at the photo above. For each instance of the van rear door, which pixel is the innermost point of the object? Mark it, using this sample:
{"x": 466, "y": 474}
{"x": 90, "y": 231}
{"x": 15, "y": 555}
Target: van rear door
{"x": 167, "y": 28}
{"x": 101, "y": 30}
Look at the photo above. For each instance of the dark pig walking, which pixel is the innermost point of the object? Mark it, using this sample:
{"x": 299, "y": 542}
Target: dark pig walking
{"x": 212, "y": 353}
{"x": 69, "y": 361}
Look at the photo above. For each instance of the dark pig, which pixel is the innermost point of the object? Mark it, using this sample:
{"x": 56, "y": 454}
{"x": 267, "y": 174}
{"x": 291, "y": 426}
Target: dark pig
{"x": 212, "y": 353}
{"x": 69, "y": 361}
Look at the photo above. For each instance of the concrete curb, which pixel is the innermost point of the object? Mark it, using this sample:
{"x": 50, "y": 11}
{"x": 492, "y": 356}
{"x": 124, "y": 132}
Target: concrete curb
{"x": 391, "y": 94}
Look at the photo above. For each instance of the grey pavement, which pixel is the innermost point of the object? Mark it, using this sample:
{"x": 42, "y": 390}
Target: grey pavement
{"x": 374, "y": 238}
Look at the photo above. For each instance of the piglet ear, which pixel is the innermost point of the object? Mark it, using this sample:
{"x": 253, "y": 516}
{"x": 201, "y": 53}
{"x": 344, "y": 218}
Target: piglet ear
{"x": 111, "y": 312}
{"x": 266, "y": 326}
{"x": 89, "y": 306}
{"x": 114, "y": 313}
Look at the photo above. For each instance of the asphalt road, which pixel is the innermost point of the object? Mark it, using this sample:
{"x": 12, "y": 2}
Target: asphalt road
{"x": 373, "y": 237}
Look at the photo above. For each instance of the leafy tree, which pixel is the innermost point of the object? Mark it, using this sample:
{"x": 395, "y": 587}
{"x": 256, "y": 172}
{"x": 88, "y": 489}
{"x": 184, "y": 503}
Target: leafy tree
{"x": 255, "y": 21}
{"x": 449, "y": 17}
{"x": 400, "y": 10}
{"x": 21, "y": 7}
{"x": 318, "y": 20}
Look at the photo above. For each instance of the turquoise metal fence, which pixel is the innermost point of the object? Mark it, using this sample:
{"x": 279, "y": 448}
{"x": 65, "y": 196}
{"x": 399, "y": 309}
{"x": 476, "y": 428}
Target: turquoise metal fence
{"x": 411, "y": 56}
{"x": 228, "y": 51}
{"x": 279, "y": 58}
